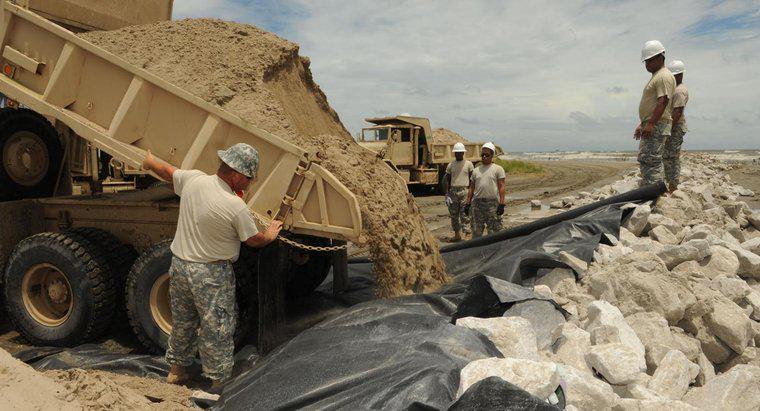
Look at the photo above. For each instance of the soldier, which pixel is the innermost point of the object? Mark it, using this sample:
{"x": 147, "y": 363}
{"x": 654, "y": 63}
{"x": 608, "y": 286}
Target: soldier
{"x": 487, "y": 194}
{"x": 671, "y": 154}
{"x": 213, "y": 221}
{"x": 455, "y": 184}
{"x": 654, "y": 112}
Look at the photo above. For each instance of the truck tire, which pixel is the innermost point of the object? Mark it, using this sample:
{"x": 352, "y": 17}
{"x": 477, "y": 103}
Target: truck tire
{"x": 308, "y": 269}
{"x": 31, "y": 155}
{"x": 147, "y": 296}
{"x": 58, "y": 290}
{"x": 120, "y": 258}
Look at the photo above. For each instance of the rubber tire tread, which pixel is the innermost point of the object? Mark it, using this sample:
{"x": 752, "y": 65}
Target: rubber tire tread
{"x": 246, "y": 282}
{"x": 304, "y": 279}
{"x": 39, "y": 125}
{"x": 120, "y": 257}
{"x": 88, "y": 259}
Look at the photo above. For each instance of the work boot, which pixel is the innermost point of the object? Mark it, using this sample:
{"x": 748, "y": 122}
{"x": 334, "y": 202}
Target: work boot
{"x": 217, "y": 386}
{"x": 177, "y": 375}
{"x": 457, "y": 237}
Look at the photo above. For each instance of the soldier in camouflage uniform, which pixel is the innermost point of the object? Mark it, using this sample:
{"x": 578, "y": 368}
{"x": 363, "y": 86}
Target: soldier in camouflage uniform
{"x": 654, "y": 112}
{"x": 456, "y": 182}
{"x": 487, "y": 194}
{"x": 671, "y": 155}
{"x": 213, "y": 221}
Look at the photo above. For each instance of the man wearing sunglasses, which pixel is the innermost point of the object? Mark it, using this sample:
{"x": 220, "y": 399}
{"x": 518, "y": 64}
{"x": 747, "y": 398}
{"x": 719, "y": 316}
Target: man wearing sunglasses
{"x": 487, "y": 194}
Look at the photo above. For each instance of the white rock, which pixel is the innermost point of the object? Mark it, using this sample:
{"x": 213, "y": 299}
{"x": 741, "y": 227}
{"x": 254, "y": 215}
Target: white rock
{"x": 542, "y": 315}
{"x": 578, "y": 265}
{"x": 554, "y": 277}
{"x": 586, "y": 392}
{"x": 605, "y": 334}
{"x": 673, "y": 376}
{"x": 721, "y": 261}
{"x": 694, "y": 250}
{"x": 637, "y": 221}
{"x": 752, "y": 245}
{"x": 604, "y": 313}
{"x": 728, "y": 322}
{"x": 617, "y": 363}
{"x": 538, "y": 378}
{"x": 652, "y": 328}
{"x": 663, "y": 235}
{"x": 535, "y": 204}
{"x": 513, "y": 336}
{"x": 572, "y": 344}
{"x": 738, "y": 389}
{"x": 735, "y": 289}
{"x": 557, "y": 204}
{"x": 629, "y": 404}
{"x": 749, "y": 262}
{"x": 754, "y": 219}
{"x": 706, "y": 370}
{"x": 753, "y": 299}
{"x": 658, "y": 220}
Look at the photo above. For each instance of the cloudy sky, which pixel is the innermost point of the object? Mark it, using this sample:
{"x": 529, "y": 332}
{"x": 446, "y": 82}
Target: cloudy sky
{"x": 530, "y": 75}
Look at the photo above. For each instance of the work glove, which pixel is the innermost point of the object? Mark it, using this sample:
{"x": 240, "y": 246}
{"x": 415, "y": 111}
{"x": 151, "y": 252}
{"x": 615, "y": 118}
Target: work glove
{"x": 449, "y": 201}
{"x": 467, "y": 208}
{"x": 500, "y": 210}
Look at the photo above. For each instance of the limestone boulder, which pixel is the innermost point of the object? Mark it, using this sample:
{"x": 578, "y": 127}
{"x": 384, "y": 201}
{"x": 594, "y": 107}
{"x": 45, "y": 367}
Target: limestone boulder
{"x": 658, "y": 339}
{"x": 730, "y": 324}
{"x": 721, "y": 261}
{"x": 538, "y": 378}
{"x": 618, "y": 363}
{"x": 605, "y": 334}
{"x": 603, "y": 313}
{"x": 543, "y": 317}
{"x": 578, "y": 265}
{"x": 753, "y": 299}
{"x": 754, "y": 219}
{"x": 738, "y": 389}
{"x": 663, "y": 235}
{"x": 553, "y": 278}
{"x": 586, "y": 392}
{"x": 735, "y": 289}
{"x": 629, "y": 404}
{"x": 674, "y": 375}
{"x": 752, "y": 245}
{"x": 637, "y": 221}
{"x": 694, "y": 250}
{"x": 749, "y": 262}
{"x": 513, "y": 336}
{"x": 571, "y": 346}
{"x": 659, "y": 220}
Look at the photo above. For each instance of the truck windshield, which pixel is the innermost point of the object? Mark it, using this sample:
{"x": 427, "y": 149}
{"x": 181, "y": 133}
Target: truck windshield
{"x": 375, "y": 134}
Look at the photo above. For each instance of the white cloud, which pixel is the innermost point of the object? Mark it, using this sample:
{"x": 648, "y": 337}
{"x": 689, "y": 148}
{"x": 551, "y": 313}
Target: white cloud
{"x": 532, "y": 75}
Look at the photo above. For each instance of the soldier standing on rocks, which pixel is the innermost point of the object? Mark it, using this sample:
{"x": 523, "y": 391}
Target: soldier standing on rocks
{"x": 455, "y": 184}
{"x": 654, "y": 112}
{"x": 487, "y": 194}
{"x": 212, "y": 223}
{"x": 671, "y": 154}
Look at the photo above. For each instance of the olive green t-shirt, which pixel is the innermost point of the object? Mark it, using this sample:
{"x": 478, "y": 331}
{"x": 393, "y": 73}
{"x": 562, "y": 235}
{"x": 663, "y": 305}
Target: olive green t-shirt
{"x": 661, "y": 84}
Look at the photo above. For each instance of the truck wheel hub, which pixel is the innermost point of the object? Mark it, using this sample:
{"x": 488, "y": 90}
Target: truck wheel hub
{"x": 25, "y": 158}
{"x": 46, "y": 294}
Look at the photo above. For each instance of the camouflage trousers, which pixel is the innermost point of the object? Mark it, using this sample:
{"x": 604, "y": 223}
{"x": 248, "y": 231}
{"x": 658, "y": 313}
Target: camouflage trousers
{"x": 671, "y": 156}
{"x": 203, "y": 315}
{"x": 650, "y": 155}
{"x": 484, "y": 215}
{"x": 460, "y": 221}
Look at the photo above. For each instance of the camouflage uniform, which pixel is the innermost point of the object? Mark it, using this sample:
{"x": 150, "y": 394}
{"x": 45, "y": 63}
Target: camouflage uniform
{"x": 484, "y": 215}
{"x": 650, "y": 155}
{"x": 460, "y": 221}
{"x": 202, "y": 294}
{"x": 671, "y": 155}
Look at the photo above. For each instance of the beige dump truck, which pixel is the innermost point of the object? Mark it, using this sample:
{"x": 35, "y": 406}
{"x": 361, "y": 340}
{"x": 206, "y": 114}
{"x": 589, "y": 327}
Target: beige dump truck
{"x": 406, "y": 143}
{"x": 72, "y": 264}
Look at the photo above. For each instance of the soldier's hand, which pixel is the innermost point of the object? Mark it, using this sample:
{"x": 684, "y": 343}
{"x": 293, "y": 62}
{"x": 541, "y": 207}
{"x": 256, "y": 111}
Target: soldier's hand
{"x": 448, "y": 200}
{"x": 274, "y": 229}
{"x": 637, "y": 132}
{"x": 500, "y": 210}
{"x": 647, "y": 130}
{"x": 467, "y": 208}
{"x": 148, "y": 161}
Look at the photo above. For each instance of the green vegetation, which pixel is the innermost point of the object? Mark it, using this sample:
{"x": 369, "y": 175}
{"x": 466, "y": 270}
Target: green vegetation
{"x": 518, "y": 167}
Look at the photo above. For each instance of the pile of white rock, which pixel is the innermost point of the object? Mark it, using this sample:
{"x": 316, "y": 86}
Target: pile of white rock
{"x": 667, "y": 317}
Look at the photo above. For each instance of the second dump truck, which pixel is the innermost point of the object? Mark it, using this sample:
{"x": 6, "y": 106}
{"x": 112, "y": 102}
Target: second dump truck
{"x": 71, "y": 264}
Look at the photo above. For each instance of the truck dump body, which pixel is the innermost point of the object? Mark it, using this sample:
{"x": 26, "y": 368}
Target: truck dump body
{"x": 125, "y": 111}
{"x": 85, "y": 15}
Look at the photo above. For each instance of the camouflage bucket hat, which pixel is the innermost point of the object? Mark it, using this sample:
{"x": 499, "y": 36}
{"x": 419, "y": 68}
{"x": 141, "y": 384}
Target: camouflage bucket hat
{"x": 242, "y": 158}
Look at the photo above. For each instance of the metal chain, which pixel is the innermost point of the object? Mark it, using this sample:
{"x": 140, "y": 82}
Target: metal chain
{"x": 296, "y": 244}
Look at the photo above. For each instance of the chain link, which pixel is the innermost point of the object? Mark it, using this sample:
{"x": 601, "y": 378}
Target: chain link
{"x": 296, "y": 244}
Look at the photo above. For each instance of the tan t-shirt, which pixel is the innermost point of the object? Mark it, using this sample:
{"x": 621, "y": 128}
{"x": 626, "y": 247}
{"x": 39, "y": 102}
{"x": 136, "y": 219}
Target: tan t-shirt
{"x": 486, "y": 180}
{"x": 680, "y": 98}
{"x": 460, "y": 172}
{"x": 213, "y": 220}
{"x": 661, "y": 84}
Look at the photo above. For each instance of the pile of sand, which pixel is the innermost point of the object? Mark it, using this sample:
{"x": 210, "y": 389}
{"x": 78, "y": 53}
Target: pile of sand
{"x": 445, "y": 136}
{"x": 21, "y": 387}
{"x": 261, "y": 78}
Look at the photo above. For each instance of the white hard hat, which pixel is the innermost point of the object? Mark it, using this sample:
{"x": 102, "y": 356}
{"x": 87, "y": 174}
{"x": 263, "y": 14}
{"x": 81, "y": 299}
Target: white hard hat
{"x": 676, "y": 67}
{"x": 651, "y": 48}
{"x": 489, "y": 145}
{"x": 459, "y": 148}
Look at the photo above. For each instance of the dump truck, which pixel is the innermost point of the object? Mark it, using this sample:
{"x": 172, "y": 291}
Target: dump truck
{"x": 73, "y": 264}
{"x": 405, "y": 142}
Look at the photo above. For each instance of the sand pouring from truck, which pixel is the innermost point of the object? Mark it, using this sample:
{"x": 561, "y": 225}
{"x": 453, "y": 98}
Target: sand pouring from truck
{"x": 408, "y": 145}
{"x": 71, "y": 263}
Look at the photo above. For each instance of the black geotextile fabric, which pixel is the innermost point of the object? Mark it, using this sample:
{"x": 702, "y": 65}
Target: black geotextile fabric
{"x": 401, "y": 353}
{"x": 405, "y": 353}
